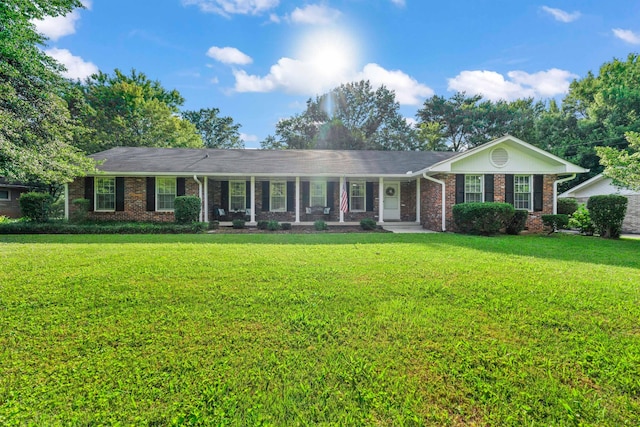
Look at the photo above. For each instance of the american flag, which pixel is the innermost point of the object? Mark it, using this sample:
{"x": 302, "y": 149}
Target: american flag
{"x": 344, "y": 202}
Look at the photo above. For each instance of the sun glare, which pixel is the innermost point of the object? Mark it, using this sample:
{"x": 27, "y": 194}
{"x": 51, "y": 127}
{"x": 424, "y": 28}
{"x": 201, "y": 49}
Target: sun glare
{"x": 331, "y": 53}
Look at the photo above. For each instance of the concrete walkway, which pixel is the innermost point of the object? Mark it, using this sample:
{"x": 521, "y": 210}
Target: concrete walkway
{"x": 405, "y": 227}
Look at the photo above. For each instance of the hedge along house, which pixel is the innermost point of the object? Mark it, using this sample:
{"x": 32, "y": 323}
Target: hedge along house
{"x": 337, "y": 186}
{"x": 10, "y": 192}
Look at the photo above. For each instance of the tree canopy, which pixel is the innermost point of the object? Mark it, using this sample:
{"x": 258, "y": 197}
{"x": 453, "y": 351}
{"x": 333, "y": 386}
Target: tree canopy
{"x": 623, "y": 166}
{"x": 215, "y": 131}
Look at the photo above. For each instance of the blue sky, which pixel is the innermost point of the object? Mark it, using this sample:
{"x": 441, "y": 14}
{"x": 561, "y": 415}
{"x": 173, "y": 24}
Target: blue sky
{"x": 258, "y": 61}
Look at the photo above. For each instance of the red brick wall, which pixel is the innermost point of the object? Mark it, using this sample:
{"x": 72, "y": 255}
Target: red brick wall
{"x": 11, "y": 208}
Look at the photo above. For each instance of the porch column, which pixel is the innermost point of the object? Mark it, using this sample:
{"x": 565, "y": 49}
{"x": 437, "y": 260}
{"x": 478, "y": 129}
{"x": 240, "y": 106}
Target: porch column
{"x": 381, "y": 199}
{"x": 206, "y": 199}
{"x": 297, "y": 199}
{"x": 253, "y": 200}
{"x": 418, "y": 200}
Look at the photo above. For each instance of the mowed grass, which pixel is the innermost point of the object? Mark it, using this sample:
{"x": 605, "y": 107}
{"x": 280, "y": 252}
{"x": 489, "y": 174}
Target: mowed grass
{"x": 329, "y": 329}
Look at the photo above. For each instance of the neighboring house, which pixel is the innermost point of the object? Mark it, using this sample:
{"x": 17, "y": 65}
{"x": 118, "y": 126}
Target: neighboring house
{"x": 9, "y": 195}
{"x": 601, "y": 185}
{"x": 305, "y": 185}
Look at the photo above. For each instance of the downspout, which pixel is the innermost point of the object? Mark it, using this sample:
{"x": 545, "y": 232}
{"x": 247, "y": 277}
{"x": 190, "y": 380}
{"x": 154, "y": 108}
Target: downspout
{"x": 444, "y": 198}
{"x": 195, "y": 178}
{"x": 555, "y": 191}
{"x": 66, "y": 202}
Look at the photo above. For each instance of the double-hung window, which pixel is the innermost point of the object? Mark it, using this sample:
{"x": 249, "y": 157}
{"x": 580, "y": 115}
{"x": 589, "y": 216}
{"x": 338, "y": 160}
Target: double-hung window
{"x": 237, "y": 196}
{"x": 357, "y": 196}
{"x": 165, "y": 193}
{"x": 105, "y": 194}
{"x": 522, "y": 192}
{"x": 318, "y": 193}
{"x": 473, "y": 188}
{"x": 4, "y": 194}
{"x": 278, "y": 194}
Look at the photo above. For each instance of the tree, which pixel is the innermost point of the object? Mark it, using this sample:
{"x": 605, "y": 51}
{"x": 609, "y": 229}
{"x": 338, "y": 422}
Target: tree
{"x": 35, "y": 125}
{"x": 352, "y": 116}
{"x": 215, "y": 131}
{"x": 621, "y": 165}
{"x": 129, "y": 110}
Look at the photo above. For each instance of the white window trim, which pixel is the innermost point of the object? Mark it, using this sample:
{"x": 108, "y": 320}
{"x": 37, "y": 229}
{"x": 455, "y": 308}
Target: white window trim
{"x": 324, "y": 193}
{"x": 531, "y": 190}
{"x": 364, "y": 196}
{"x": 95, "y": 194}
{"x": 481, "y": 187}
{"x": 271, "y": 185}
{"x": 175, "y": 186}
{"x": 244, "y": 195}
{"x": 8, "y": 199}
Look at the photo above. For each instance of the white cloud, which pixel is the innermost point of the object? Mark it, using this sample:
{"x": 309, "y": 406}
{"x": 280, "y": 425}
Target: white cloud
{"x": 229, "y": 55}
{"x": 314, "y": 14}
{"x": 561, "y": 15}
{"x": 408, "y": 90}
{"x": 77, "y": 68}
{"x": 233, "y": 7}
{"x": 399, "y": 3}
{"x": 55, "y": 27}
{"x": 520, "y": 84}
{"x": 627, "y": 35}
{"x": 248, "y": 138}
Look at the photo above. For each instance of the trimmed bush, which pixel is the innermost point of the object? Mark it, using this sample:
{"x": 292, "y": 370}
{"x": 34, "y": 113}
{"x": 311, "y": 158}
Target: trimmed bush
{"x": 581, "y": 220}
{"x": 482, "y": 218}
{"x": 555, "y": 222}
{"x": 262, "y": 224}
{"x": 518, "y": 222}
{"x": 58, "y": 227}
{"x": 567, "y": 206}
{"x": 368, "y": 224}
{"x": 186, "y": 209}
{"x": 238, "y": 224}
{"x": 4, "y": 219}
{"x": 81, "y": 210}
{"x": 273, "y": 225}
{"x": 286, "y": 225}
{"x": 214, "y": 225}
{"x": 320, "y": 225}
{"x": 35, "y": 206}
{"x": 607, "y": 213}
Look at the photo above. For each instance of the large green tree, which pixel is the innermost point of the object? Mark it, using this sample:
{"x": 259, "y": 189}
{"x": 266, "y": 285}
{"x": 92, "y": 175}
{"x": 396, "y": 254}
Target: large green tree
{"x": 35, "y": 126}
{"x": 623, "y": 166}
{"x": 353, "y": 116}
{"x": 216, "y": 131}
{"x": 129, "y": 110}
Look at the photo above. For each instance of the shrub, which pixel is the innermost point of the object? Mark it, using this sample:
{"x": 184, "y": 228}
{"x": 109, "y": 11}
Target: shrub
{"x": 238, "y": 224}
{"x": 214, "y": 225}
{"x": 80, "y": 212}
{"x": 518, "y": 222}
{"x": 581, "y": 220}
{"x": 58, "y": 227}
{"x": 607, "y": 213}
{"x": 273, "y": 226}
{"x": 4, "y": 219}
{"x": 35, "y": 206}
{"x": 262, "y": 225}
{"x": 555, "y": 222}
{"x": 320, "y": 225}
{"x": 482, "y": 218}
{"x": 286, "y": 225}
{"x": 186, "y": 209}
{"x": 368, "y": 224}
{"x": 567, "y": 206}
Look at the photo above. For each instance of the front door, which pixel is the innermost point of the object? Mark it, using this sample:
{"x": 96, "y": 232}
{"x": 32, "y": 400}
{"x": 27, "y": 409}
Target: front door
{"x": 391, "y": 201}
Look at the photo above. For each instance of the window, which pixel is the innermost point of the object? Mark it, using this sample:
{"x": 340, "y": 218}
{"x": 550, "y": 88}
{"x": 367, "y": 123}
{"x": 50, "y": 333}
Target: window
{"x": 318, "y": 193}
{"x": 105, "y": 189}
{"x": 237, "y": 195}
{"x": 473, "y": 191}
{"x": 522, "y": 192}
{"x": 165, "y": 193}
{"x": 278, "y": 196}
{"x": 357, "y": 195}
{"x": 4, "y": 194}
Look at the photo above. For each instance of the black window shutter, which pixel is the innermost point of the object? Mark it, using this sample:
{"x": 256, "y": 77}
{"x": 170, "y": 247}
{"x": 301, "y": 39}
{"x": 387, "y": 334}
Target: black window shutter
{"x": 266, "y": 196}
{"x": 330, "y": 186}
{"x": 459, "y": 188}
{"x": 247, "y": 194}
{"x": 88, "y": 191}
{"x": 119, "y": 193}
{"x": 224, "y": 195}
{"x": 488, "y": 188}
{"x": 538, "y": 184}
{"x": 180, "y": 187}
{"x": 348, "y": 190}
{"x": 151, "y": 193}
{"x": 369, "y": 197}
{"x": 305, "y": 194}
{"x": 291, "y": 196}
{"x": 508, "y": 188}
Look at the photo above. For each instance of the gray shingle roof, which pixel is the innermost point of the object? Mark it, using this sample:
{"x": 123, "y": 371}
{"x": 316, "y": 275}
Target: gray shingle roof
{"x": 144, "y": 160}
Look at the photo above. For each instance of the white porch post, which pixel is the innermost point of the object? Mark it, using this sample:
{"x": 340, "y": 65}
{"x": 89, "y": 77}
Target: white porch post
{"x": 253, "y": 200}
{"x": 66, "y": 202}
{"x": 380, "y": 199}
{"x": 418, "y": 200}
{"x": 206, "y": 199}
{"x": 297, "y": 199}
{"x": 340, "y": 203}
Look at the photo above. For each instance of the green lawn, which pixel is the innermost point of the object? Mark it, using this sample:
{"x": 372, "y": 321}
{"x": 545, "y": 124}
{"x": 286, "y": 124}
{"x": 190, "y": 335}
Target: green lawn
{"x": 333, "y": 329}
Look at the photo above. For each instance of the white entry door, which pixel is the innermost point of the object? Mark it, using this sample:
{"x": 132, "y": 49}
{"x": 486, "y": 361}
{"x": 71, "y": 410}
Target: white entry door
{"x": 391, "y": 201}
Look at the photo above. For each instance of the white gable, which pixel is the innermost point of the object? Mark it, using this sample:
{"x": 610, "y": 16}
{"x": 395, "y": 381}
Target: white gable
{"x": 596, "y": 186}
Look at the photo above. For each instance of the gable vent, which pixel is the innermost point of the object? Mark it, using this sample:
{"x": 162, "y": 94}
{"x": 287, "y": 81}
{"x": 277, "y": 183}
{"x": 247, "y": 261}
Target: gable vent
{"x": 499, "y": 157}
